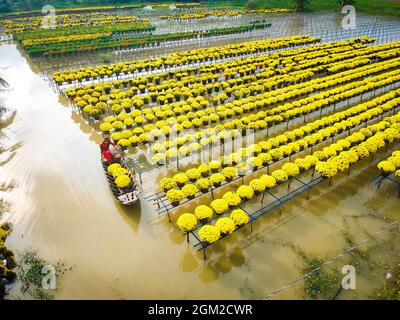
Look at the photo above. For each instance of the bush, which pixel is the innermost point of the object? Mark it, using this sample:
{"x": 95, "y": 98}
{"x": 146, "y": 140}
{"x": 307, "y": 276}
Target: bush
{"x": 175, "y": 196}
{"x": 203, "y": 213}
{"x": 225, "y": 225}
{"x": 232, "y": 198}
{"x": 280, "y": 175}
{"x": 167, "y": 184}
{"x": 239, "y": 217}
{"x": 245, "y": 192}
{"x": 219, "y": 206}
{"x": 193, "y": 174}
{"x": 257, "y": 185}
{"x": 187, "y": 222}
{"x": 180, "y": 178}
{"x": 216, "y": 179}
{"x": 229, "y": 173}
{"x": 190, "y": 190}
{"x": 203, "y": 184}
{"x": 291, "y": 169}
{"x": 122, "y": 181}
{"x": 209, "y": 234}
{"x": 112, "y": 167}
{"x": 268, "y": 180}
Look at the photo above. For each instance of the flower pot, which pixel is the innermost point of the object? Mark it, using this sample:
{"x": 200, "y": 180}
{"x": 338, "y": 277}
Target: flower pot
{"x": 176, "y": 203}
{"x": 204, "y": 220}
{"x": 180, "y": 185}
{"x": 191, "y": 197}
{"x": 203, "y": 190}
{"x": 217, "y": 184}
{"x": 240, "y": 225}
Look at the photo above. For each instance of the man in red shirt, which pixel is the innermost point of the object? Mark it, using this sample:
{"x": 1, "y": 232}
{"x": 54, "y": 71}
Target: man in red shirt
{"x": 109, "y": 152}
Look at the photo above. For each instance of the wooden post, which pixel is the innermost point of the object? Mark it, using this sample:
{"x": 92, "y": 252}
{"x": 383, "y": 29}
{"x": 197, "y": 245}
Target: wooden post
{"x": 379, "y": 184}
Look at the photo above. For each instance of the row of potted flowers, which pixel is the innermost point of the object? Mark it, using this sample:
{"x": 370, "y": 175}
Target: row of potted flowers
{"x": 346, "y": 153}
{"x": 139, "y": 26}
{"x": 229, "y": 69}
{"x": 251, "y": 158}
{"x": 249, "y": 107}
{"x": 121, "y": 175}
{"x": 168, "y": 150}
{"x": 200, "y": 118}
{"x": 284, "y": 145}
{"x": 391, "y": 164}
{"x": 34, "y": 23}
{"x": 217, "y": 13}
{"x": 116, "y": 42}
{"x": 199, "y": 55}
{"x": 336, "y": 95}
{"x": 83, "y": 97}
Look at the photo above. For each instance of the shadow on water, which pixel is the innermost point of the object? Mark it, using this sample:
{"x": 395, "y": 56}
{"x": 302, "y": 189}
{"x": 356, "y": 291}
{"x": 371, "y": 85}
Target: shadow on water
{"x": 131, "y": 214}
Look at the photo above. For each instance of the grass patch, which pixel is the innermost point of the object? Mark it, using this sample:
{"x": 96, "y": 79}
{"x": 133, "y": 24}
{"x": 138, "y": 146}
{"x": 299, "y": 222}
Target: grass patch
{"x": 390, "y": 289}
{"x": 30, "y": 272}
{"x": 321, "y": 283}
{"x": 377, "y": 7}
{"x": 106, "y": 58}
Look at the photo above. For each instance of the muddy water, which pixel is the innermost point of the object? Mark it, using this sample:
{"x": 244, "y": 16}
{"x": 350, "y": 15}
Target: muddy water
{"x": 61, "y": 206}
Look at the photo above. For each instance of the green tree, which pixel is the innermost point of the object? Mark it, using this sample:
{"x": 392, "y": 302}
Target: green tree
{"x": 343, "y": 3}
{"x": 5, "y": 6}
{"x": 301, "y": 5}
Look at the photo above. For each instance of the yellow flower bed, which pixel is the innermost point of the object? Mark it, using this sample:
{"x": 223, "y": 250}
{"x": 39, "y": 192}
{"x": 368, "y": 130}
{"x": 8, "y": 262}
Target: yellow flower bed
{"x": 382, "y": 133}
{"x": 30, "y": 42}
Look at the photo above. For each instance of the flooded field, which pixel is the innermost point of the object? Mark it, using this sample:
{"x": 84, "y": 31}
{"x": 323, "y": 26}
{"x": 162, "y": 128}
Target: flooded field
{"x": 60, "y": 205}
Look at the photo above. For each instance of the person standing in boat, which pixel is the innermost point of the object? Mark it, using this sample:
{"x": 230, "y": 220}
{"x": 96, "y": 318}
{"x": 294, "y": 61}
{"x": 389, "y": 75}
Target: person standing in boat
{"x": 109, "y": 151}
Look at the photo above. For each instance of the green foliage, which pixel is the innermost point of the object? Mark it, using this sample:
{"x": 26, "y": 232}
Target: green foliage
{"x": 321, "y": 283}
{"x": 301, "y": 5}
{"x": 382, "y": 7}
{"x": 81, "y": 30}
{"x": 343, "y": 3}
{"x": 106, "y": 58}
{"x": 390, "y": 290}
{"x": 29, "y": 272}
{"x": 7, "y": 275}
{"x": 112, "y": 42}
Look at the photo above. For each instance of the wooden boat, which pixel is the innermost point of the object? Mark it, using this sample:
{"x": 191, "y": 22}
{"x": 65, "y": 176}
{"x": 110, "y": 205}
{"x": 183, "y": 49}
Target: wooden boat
{"x": 127, "y": 196}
